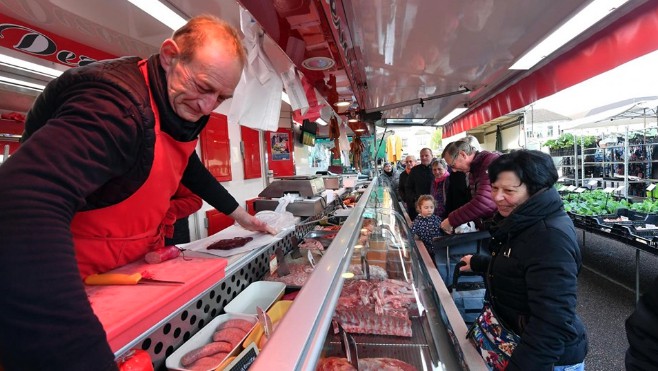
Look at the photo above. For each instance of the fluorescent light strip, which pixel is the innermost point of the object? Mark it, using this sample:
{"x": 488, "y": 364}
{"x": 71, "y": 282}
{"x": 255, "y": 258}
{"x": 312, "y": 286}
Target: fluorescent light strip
{"x": 21, "y": 83}
{"x": 161, "y": 12}
{"x": 580, "y": 22}
{"x": 456, "y": 112}
{"x": 284, "y": 97}
{"x": 29, "y": 66}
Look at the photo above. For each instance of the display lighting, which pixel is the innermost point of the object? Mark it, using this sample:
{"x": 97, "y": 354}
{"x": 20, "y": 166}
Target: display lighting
{"x": 343, "y": 103}
{"x": 29, "y": 66}
{"x": 285, "y": 97}
{"x": 161, "y": 12}
{"x": 456, "y": 112}
{"x": 580, "y": 22}
{"x": 320, "y": 121}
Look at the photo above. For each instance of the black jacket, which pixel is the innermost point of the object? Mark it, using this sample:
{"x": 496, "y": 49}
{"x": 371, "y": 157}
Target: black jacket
{"x": 642, "y": 332}
{"x": 88, "y": 143}
{"x": 457, "y": 192}
{"x": 419, "y": 181}
{"x": 403, "y": 191}
{"x": 533, "y": 274}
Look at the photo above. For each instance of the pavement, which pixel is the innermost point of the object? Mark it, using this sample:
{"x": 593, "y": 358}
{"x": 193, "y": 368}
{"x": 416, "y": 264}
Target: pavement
{"x": 606, "y": 296}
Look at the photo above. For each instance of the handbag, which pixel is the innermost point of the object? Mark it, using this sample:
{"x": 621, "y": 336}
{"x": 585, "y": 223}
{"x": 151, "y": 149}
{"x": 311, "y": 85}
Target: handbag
{"x": 494, "y": 342}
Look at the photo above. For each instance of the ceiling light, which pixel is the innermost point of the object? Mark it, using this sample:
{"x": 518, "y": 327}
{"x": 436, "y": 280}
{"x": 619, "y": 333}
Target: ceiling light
{"x": 456, "y": 112}
{"x": 320, "y": 121}
{"x": 580, "y": 22}
{"x": 343, "y": 103}
{"x": 161, "y": 12}
{"x": 21, "y": 83}
{"x": 360, "y": 130}
{"x": 353, "y": 119}
{"x": 318, "y": 63}
{"x": 284, "y": 97}
{"x": 29, "y": 66}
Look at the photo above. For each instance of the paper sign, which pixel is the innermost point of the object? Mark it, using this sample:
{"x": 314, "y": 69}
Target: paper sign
{"x": 593, "y": 182}
{"x": 608, "y": 189}
{"x": 311, "y": 259}
{"x": 580, "y": 190}
{"x": 571, "y": 188}
{"x": 244, "y": 360}
{"x": 651, "y": 187}
{"x": 273, "y": 264}
{"x": 620, "y": 188}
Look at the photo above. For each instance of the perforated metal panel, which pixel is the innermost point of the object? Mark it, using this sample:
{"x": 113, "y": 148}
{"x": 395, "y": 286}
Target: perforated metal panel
{"x": 164, "y": 340}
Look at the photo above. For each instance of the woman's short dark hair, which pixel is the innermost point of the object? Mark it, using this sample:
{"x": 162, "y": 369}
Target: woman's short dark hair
{"x": 535, "y": 169}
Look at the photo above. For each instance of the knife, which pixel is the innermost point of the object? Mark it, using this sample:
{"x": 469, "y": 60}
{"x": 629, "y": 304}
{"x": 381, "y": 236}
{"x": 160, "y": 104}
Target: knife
{"x": 104, "y": 279}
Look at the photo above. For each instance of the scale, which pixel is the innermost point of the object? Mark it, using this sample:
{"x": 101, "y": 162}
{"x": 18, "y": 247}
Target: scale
{"x": 307, "y": 188}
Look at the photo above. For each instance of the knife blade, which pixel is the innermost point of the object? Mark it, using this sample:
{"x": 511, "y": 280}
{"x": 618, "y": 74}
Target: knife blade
{"x": 105, "y": 279}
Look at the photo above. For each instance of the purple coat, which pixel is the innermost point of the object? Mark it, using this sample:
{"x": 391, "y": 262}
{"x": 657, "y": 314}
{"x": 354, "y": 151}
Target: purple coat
{"x": 481, "y": 206}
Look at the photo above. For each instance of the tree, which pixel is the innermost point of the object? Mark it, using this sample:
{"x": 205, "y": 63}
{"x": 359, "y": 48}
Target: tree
{"x": 435, "y": 143}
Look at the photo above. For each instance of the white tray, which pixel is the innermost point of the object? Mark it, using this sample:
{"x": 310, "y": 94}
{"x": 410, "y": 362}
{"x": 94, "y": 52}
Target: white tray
{"x": 259, "y": 294}
{"x": 203, "y": 337}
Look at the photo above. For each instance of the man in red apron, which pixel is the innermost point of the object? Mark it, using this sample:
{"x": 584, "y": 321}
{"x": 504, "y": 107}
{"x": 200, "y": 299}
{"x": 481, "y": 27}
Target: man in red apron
{"x": 105, "y": 147}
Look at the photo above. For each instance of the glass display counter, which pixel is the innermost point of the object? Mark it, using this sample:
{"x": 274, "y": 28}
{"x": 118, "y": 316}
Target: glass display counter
{"x": 408, "y": 317}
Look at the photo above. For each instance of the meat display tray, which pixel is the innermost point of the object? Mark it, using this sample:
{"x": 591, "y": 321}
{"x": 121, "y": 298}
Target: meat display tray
{"x": 413, "y": 350}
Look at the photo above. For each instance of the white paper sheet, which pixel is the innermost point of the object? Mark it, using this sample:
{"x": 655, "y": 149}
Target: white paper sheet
{"x": 259, "y": 239}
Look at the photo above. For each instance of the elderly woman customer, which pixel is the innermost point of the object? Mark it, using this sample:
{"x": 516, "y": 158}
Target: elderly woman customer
{"x": 534, "y": 264}
{"x": 389, "y": 178}
{"x": 438, "y": 187}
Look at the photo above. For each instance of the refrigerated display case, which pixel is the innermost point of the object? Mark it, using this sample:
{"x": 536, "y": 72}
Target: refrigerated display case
{"x": 375, "y": 232}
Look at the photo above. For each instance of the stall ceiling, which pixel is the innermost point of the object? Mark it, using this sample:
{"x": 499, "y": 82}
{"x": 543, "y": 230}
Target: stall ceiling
{"x": 387, "y": 55}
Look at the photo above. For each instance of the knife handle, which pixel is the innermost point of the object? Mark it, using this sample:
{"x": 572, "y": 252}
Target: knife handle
{"x": 113, "y": 279}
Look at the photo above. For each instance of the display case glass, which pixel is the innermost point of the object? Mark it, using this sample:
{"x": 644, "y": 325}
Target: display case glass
{"x": 408, "y": 317}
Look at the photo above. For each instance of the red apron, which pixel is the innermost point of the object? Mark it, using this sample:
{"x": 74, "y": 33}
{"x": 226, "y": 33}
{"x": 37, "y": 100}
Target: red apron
{"x": 113, "y": 236}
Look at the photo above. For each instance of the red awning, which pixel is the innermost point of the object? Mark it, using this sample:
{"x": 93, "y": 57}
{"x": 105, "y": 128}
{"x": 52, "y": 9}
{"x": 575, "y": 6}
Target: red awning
{"x": 630, "y": 37}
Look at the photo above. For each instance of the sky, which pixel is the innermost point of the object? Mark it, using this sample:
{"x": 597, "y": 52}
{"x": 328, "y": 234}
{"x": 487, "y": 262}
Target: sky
{"x": 637, "y": 78}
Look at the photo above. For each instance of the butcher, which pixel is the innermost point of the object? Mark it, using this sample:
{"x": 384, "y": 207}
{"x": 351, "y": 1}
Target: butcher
{"x": 105, "y": 148}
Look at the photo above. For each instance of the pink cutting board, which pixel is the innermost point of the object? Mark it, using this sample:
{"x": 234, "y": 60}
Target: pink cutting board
{"x": 126, "y": 312}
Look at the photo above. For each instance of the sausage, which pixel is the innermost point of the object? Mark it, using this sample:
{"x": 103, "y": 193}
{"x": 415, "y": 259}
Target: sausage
{"x": 229, "y": 243}
{"x": 205, "y": 351}
{"x": 162, "y": 254}
{"x": 230, "y": 335}
{"x": 242, "y": 324}
{"x": 208, "y": 363}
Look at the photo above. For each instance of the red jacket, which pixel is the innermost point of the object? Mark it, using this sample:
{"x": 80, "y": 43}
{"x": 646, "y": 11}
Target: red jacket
{"x": 481, "y": 206}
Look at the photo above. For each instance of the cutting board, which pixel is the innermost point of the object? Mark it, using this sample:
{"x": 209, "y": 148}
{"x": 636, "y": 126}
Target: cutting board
{"x": 126, "y": 312}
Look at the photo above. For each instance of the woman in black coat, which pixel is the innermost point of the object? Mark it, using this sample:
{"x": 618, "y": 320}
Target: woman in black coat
{"x": 534, "y": 264}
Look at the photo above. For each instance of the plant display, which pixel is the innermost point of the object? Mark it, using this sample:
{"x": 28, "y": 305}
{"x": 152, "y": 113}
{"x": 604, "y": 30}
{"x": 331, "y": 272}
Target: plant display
{"x": 566, "y": 141}
{"x": 595, "y": 202}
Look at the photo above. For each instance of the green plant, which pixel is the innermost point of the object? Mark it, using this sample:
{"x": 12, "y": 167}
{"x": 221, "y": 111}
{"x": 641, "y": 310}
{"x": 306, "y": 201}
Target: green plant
{"x": 566, "y": 141}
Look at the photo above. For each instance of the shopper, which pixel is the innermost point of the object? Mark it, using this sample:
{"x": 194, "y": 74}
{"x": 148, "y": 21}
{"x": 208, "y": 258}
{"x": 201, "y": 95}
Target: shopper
{"x": 420, "y": 180}
{"x": 533, "y": 269}
{"x": 462, "y": 156}
{"x": 389, "y": 176}
{"x": 438, "y": 186}
{"x": 427, "y": 223}
{"x": 642, "y": 332}
{"x": 403, "y": 191}
{"x": 176, "y": 224}
{"x": 105, "y": 147}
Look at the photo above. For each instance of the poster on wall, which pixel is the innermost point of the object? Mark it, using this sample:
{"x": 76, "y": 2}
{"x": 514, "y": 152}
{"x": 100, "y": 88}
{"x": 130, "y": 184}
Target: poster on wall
{"x": 279, "y": 143}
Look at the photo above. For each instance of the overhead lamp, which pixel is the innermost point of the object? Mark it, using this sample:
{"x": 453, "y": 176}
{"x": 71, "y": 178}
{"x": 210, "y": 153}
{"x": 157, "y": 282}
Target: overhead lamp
{"x": 161, "y": 12}
{"x": 285, "y": 97}
{"x": 343, "y": 103}
{"x": 360, "y": 130}
{"x": 318, "y": 63}
{"x": 21, "y": 84}
{"x": 29, "y": 66}
{"x": 320, "y": 121}
{"x": 580, "y": 22}
{"x": 456, "y": 112}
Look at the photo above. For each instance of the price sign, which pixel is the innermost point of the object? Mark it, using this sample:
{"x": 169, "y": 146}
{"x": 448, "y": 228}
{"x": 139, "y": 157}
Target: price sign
{"x": 311, "y": 259}
{"x": 273, "y": 264}
{"x": 620, "y": 188}
{"x": 580, "y": 190}
{"x": 608, "y": 190}
{"x": 593, "y": 182}
{"x": 244, "y": 360}
{"x": 571, "y": 188}
{"x": 651, "y": 187}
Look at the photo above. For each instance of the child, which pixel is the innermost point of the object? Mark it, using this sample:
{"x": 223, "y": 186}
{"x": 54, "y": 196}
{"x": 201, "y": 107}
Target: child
{"x": 427, "y": 225}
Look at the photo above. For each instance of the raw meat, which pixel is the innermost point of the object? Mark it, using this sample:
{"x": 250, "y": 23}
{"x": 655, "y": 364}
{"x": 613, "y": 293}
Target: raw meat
{"x": 311, "y": 244}
{"x": 365, "y": 364}
{"x": 242, "y": 324}
{"x": 231, "y": 335}
{"x": 376, "y": 307}
{"x": 205, "y": 351}
{"x": 207, "y": 363}
{"x": 229, "y": 243}
{"x": 301, "y": 270}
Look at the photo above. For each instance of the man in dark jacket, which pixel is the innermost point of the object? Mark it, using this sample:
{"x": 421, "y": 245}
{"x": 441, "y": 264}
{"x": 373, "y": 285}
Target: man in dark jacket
{"x": 462, "y": 156}
{"x": 105, "y": 147}
{"x": 642, "y": 332}
{"x": 403, "y": 191}
{"x": 420, "y": 180}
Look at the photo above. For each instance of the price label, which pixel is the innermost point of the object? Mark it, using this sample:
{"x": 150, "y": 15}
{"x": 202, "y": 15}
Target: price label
{"x": 311, "y": 259}
{"x": 580, "y": 190}
{"x": 244, "y": 360}
{"x": 593, "y": 182}
{"x": 620, "y": 188}
{"x": 651, "y": 187}
{"x": 273, "y": 264}
{"x": 608, "y": 190}
{"x": 571, "y": 188}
